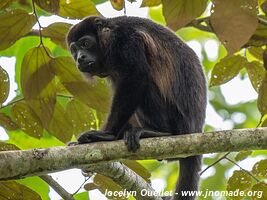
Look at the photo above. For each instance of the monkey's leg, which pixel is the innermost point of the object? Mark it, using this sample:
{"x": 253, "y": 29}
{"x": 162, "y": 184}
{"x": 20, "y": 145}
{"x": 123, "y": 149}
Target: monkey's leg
{"x": 132, "y": 137}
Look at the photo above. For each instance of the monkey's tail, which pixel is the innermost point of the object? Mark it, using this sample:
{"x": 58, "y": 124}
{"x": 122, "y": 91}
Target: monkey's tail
{"x": 188, "y": 178}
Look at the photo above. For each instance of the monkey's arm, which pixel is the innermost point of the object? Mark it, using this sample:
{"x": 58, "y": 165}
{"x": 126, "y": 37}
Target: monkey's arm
{"x": 128, "y": 94}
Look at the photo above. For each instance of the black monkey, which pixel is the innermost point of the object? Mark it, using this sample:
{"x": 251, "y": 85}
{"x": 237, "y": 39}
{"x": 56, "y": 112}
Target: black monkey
{"x": 157, "y": 79}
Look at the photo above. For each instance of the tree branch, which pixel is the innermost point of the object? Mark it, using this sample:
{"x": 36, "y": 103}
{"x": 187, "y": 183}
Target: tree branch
{"x": 23, "y": 163}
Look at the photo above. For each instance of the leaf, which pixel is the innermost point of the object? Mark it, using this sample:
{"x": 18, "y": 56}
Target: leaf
{"x": 90, "y": 186}
{"x": 27, "y": 120}
{"x": 138, "y": 168}
{"x": 36, "y": 74}
{"x": 60, "y": 125}
{"x": 7, "y": 147}
{"x": 13, "y": 25}
{"x": 81, "y": 116}
{"x": 260, "y": 169}
{"x": 256, "y": 73}
{"x": 242, "y": 155}
{"x": 117, "y": 4}
{"x": 234, "y": 22}
{"x": 257, "y": 52}
{"x": 181, "y": 12}
{"x": 227, "y": 69}
{"x": 15, "y": 191}
{"x": 51, "y": 6}
{"x": 5, "y": 3}
{"x": 4, "y": 85}
{"x": 77, "y": 8}
{"x": 262, "y": 98}
{"x": 240, "y": 180}
{"x": 104, "y": 183}
{"x": 7, "y": 122}
{"x": 95, "y": 95}
{"x": 260, "y": 188}
{"x": 150, "y": 3}
{"x": 57, "y": 33}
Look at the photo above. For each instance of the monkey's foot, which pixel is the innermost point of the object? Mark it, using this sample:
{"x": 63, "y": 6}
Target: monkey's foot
{"x": 95, "y": 136}
{"x": 132, "y": 138}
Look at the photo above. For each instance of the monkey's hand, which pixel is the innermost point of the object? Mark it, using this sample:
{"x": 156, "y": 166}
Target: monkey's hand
{"x": 132, "y": 138}
{"x": 95, "y": 136}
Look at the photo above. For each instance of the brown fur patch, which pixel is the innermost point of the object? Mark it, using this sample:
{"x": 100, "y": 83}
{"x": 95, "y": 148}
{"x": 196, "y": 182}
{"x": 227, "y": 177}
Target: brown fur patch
{"x": 162, "y": 66}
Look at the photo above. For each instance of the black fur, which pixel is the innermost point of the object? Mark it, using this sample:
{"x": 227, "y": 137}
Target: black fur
{"x": 158, "y": 85}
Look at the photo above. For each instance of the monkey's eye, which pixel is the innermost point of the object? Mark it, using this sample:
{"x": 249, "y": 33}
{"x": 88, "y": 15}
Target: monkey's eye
{"x": 86, "y": 44}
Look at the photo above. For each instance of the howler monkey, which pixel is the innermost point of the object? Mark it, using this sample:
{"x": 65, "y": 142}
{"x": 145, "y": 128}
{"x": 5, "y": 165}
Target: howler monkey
{"x": 157, "y": 79}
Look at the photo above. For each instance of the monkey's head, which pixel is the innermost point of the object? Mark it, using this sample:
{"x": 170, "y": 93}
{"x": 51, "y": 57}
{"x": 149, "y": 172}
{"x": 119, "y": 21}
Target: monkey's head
{"x": 85, "y": 45}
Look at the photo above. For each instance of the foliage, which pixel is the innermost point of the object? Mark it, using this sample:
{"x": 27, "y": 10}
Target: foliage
{"x": 54, "y": 102}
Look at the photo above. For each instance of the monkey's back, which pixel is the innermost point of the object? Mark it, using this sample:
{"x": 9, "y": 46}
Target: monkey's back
{"x": 177, "y": 97}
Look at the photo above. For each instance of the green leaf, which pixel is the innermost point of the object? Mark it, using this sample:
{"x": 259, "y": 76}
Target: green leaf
{"x": 60, "y": 125}
{"x": 262, "y": 188}
{"x": 104, "y": 183}
{"x": 4, "y": 85}
{"x": 257, "y": 52}
{"x": 150, "y": 3}
{"x": 260, "y": 169}
{"x": 13, "y": 25}
{"x": 117, "y": 4}
{"x": 36, "y": 74}
{"x": 242, "y": 155}
{"x": 57, "y": 33}
{"x": 95, "y": 95}
{"x": 234, "y": 22}
{"x": 27, "y": 119}
{"x": 265, "y": 59}
{"x": 256, "y": 73}
{"x": 13, "y": 190}
{"x": 262, "y": 98}
{"x": 7, "y": 122}
{"x": 51, "y": 6}
{"x": 138, "y": 168}
{"x": 227, "y": 69}
{"x": 81, "y": 196}
{"x": 77, "y": 8}
{"x": 81, "y": 116}
{"x": 240, "y": 180}
{"x": 7, "y": 147}
{"x": 181, "y": 12}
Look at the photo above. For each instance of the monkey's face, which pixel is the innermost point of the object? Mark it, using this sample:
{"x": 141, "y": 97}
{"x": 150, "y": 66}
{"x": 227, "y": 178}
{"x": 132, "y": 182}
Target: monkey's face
{"x": 87, "y": 55}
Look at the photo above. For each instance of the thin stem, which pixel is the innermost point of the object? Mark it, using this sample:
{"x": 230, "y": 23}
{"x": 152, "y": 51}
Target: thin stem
{"x": 12, "y": 102}
{"x": 255, "y": 178}
{"x": 86, "y": 179}
{"x": 223, "y": 157}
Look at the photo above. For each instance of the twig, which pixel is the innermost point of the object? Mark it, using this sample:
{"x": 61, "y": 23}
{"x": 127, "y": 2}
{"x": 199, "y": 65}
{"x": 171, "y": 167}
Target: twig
{"x": 86, "y": 179}
{"x": 242, "y": 169}
{"x": 217, "y": 161}
{"x": 12, "y": 102}
{"x": 60, "y": 190}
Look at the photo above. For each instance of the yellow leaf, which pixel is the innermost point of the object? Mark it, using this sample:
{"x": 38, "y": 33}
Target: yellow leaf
{"x": 4, "y": 85}
{"x": 227, "y": 69}
{"x": 256, "y": 73}
{"x": 260, "y": 169}
{"x": 51, "y": 6}
{"x": 13, "y": 190}
{"x": 95, "y": 95}
{"x": 77, "y": 8}
{"x": 57, "y": 33}
{"x": 262, "y": 98}
{"x": 36, "y": 74}
{"x": 117, "y": 4}
{"x": 27, "y": 119}
{"x": 13, "y": 25}
{"x": 7, "y": 122}
{"x": 234, "y": 22}
{"x": 150, "y": 3}
{"x": 179, "y": 13}
{"x": 5, "y": 3}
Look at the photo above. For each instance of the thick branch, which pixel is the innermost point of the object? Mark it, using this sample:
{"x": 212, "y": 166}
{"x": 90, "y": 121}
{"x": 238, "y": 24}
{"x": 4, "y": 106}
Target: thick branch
{"x": 19, "y": 164}
{"x": 124, "y": 177}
